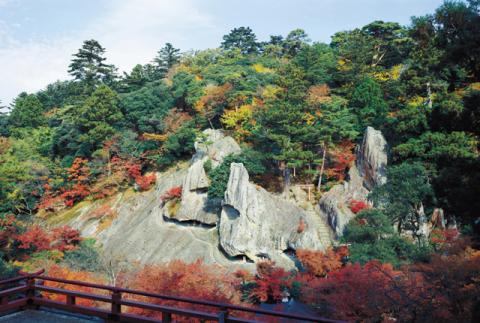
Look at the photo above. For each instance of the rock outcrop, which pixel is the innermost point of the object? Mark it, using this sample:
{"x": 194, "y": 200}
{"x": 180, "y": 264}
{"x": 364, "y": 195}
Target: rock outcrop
{"x": 368, "y": 171}
{"x": 257, "y": 224}
{"x": 372, "y": 158}
{"x": 194, "y": 205}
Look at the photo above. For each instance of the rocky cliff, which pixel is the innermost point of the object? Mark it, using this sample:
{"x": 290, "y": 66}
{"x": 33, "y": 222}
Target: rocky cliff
{"x": 250, "y": 224}
{"x": 257, "y": 224}
{"x": 367, "y": 172}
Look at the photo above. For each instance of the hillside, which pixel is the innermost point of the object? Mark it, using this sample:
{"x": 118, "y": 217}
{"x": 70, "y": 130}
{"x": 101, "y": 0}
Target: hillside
{"x": 277, "y": 165}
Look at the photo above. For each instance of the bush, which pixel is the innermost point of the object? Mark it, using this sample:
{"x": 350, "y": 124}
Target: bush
{"x": 84, "y": 258}
{"x": 251, "y": 159}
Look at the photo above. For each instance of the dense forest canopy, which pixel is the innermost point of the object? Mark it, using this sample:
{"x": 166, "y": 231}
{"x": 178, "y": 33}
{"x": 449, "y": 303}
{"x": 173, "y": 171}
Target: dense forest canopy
{"x": 298, "y": 107}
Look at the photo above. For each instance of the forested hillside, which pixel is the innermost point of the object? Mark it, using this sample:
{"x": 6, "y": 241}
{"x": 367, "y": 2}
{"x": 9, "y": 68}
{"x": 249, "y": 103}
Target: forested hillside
{"x": 298, "y": 108}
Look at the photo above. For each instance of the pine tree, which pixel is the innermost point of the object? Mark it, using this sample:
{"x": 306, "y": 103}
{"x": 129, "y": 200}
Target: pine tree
{"x": 89, "y": 65}
{"x": 166, "y": 58}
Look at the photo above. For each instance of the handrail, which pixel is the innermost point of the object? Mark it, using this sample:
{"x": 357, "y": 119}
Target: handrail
{"x": 116, "y": 301}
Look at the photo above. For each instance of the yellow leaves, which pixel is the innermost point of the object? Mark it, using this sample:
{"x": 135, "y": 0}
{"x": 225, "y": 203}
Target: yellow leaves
{"x": 391, "y": 74}
{"x": 154, "y": 137}
{"x": 416, "y": 101}
{"x": 198, "y": 77}
{"x": 271, "y": 92}
{"x": 214, "y": 95}
{"x": 259, "y": 68}
{"x": 344, "y": 65}
{"x": 238, "y": 120}
{"x": 309, "y": 118}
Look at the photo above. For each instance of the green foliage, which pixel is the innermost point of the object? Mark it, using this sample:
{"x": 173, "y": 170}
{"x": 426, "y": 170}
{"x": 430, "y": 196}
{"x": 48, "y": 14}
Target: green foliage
{"x": 167, "y": 57}
{"x": 145, "y": 108}
{"x": 371, "y": 235}
{"x": 178, "y": 145}
{"x": 7, "y": 270}
{"x": 241, "y": 38}
{"x": 404, "y": 194}
{"x": 89, "y": 65}
{"x": 96, "y": 117}
{"x": 368, "y": 102}
{"x": 27, "y": 112}
{"x": 84, "y": 258}
{"x": 251, "y": 159}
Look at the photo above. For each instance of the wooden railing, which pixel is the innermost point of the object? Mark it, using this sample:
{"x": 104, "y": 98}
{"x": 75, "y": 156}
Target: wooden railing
{"x": 26, "y": 291}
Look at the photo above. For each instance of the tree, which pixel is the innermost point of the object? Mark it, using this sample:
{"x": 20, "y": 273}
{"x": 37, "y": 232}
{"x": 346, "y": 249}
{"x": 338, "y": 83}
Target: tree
{"x": 295, "y": 41}
{"x": 368, "y": 103}
{"x": 404, "y": 195}
{"x": 88, "y": 65}
{"x": 96, "y": 117}
{"x": 242, "y": 38}
{"x": 27, "y": 112}
{"x": 167, "y": 57}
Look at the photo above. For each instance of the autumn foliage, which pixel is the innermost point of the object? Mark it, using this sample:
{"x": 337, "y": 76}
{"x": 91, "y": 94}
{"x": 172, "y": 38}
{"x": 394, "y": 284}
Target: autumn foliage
{"x": 35, "y": 238}
{"x": 341, "y": 158}
{"x": 356, "y": 206}
{"x": 194, "y": 280}
{"x": 320, "y": 263}
{"x": 172, "y": 194}
{"x": 144, "y": 182}
{"x": 57, "y": 271}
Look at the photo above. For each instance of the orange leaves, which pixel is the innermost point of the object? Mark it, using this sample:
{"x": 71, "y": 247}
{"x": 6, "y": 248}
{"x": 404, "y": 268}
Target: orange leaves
{"x": 319, "y": 94}
{"x": 65, "y": 273}
{"x": 194, "y": 280}
{"x": 271, "y": 282}
{"x": 135, "y": 173}
{"x": 65, "y": 238}
{"x": 321, "y": 263}
{"x": 342, "y": 157}
{"x": 172, "y": 194}
{"x": 37, "y": 239}
{"x": 355, "y": 293}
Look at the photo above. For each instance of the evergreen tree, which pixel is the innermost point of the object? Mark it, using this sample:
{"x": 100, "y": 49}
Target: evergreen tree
{"x": 368, "y": 102}
{"x": 95, "y": 118}
{"x": 88, "y": 65}
{"x": 27, "y": 111}
{"x": 242, "y": 38}
{"x": 166, "y": 58}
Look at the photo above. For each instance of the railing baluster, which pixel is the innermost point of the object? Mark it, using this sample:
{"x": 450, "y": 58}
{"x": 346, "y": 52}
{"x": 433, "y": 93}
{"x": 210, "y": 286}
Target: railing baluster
{"x": 116, "y": 306}
{"x": 71, "y": 300}
{"x": 166, "y": 317}
{"x": 223, "y": 315}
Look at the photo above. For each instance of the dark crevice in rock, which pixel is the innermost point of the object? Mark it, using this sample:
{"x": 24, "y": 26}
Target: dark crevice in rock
{"x": 238, "y": 258}
{"x": 189, "y": 223}
{"x": 231, "y": 212}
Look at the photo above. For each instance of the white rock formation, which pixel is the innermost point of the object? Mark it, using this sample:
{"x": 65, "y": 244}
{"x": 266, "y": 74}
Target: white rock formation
{"x": 194, "y": 206}
{"x": 372, "y": 158}
{"x": 368, "y": 172}
{"x": 258, "y": 224}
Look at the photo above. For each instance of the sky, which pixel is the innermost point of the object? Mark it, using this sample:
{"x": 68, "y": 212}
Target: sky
{"x": 38, "y": 37}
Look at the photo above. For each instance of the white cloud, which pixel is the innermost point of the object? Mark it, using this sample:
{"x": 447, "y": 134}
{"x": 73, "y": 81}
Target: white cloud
{"x": 131, "y": 31}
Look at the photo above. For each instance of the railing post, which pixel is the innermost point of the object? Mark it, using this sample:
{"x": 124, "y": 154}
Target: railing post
{"x": 71, "y": 300}
{"x": 166, "y": 317}
{"x": 116, "y": 310}
{"x": 30, "y": 291}
{"x": 223, "y": 315}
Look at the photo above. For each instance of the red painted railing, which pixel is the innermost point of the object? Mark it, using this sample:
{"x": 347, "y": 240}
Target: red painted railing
{"x": 26, "y": 291}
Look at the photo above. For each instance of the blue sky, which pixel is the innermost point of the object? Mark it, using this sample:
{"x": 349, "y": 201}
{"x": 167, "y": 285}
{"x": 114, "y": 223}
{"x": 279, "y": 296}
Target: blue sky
{"x": 38, "y": 37}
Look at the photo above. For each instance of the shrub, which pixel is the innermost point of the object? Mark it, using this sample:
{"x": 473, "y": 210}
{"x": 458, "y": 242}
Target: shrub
{"x": 357, "y": 206}
{"x": 174, "y": 193}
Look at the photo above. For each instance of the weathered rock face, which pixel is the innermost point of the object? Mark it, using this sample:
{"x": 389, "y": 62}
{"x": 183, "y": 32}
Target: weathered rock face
{"x": 372, "y": 158}
{"x": 257, "y": 224}
{"x": 368, "y": 172}
{"x": 194, "y": 205}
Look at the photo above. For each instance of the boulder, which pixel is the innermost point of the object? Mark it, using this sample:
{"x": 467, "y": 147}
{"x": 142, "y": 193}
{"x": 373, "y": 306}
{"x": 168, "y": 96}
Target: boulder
{"x": 258, "y": 224}
{"x": 372, "y": 158}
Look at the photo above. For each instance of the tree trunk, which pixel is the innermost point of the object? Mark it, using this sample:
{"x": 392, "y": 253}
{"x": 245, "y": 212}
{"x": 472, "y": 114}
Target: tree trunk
{"x": 322, "y": 167}
{"x": 286, "y": 181}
